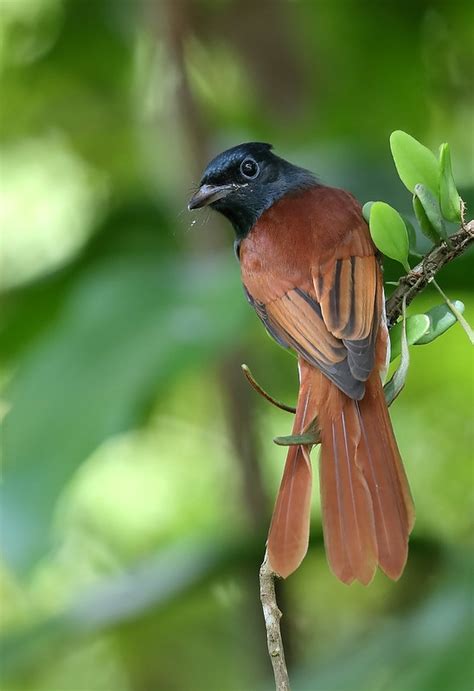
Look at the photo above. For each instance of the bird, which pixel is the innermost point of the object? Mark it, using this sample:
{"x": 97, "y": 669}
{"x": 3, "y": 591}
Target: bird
{"x": 312, "y": 273}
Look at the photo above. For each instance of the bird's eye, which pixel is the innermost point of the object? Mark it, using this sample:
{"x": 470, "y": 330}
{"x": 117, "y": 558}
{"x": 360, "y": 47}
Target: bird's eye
{"x": 249, "y": 168}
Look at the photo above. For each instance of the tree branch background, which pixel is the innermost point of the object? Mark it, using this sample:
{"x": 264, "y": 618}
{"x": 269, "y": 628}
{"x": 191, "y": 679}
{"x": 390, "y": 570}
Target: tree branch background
{"x": 134, "y": 509}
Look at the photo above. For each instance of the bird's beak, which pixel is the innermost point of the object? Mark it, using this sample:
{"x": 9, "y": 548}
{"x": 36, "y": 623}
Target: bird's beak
{"x": 207, "y": 194}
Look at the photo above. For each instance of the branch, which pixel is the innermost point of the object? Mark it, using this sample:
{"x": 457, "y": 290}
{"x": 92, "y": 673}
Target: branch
{"x": 418, "y": 278}
{"x": 272, "y": 616}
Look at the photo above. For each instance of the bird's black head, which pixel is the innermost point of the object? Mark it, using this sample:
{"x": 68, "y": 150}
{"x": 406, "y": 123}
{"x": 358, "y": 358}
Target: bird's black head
{"x": 243, "y": 182}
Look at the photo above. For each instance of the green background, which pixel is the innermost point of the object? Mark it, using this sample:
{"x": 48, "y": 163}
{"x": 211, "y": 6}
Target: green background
{"x": 138, "y": 470}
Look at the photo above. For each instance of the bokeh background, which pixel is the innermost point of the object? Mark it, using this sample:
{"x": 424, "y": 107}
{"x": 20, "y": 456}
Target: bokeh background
{"x": 138, "y": 469}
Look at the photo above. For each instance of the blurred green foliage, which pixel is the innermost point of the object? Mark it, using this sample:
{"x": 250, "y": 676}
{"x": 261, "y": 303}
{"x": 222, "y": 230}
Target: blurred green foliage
{"x": 130, "y": 541}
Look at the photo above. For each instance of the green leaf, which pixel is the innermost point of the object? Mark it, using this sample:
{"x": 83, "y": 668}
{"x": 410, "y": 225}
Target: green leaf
{"x": 366, "y": 210}
{"x": 396, "y": 383}
{"x": 411, "y": 234}
{"x": 389, "y": 232}
{"x": 415, "y": 163}
{"x": 424, "y": 222}
{"x": 297, "y": 439}
{"x": 416, "y": 327}
{"x": 450, "y": 200}
{"x": 441, "y": 319}
{"x": 462, "y": 322}
{"x": 432, "y": 210}
{"x": 409, "y": 226}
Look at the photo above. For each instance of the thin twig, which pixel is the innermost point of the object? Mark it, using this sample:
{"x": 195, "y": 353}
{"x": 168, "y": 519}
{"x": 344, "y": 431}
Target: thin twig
{"x": 272, "y": 616}
{"x": 418, "y": 278}
{"x": 255, "y": 385}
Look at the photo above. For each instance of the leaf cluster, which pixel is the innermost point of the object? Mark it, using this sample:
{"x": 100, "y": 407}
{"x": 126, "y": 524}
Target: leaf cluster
{"x": 436, "y": 203}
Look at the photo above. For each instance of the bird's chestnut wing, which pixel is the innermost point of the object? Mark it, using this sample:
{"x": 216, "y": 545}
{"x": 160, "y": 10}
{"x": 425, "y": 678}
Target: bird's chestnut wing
{"x": 350, "y": 294}
{"x": 330, "y": 317}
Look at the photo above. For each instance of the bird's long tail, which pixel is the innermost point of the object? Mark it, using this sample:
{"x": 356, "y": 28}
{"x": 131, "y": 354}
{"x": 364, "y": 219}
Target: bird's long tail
{"x": 366, "y": 504}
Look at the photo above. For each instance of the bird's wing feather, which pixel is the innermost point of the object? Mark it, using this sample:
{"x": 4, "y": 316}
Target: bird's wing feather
{"x": 330, "y": 317}
{"x": 297, "y": 318}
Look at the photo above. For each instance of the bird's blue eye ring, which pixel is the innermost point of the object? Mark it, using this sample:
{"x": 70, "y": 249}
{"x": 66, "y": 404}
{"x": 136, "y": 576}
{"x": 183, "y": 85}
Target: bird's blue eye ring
{"x": 249, "y": 168}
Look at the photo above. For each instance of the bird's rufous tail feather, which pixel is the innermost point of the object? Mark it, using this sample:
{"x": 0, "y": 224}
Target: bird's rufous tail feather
{"x": 366, "y": 504}
{"x": 289, "y": 530}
